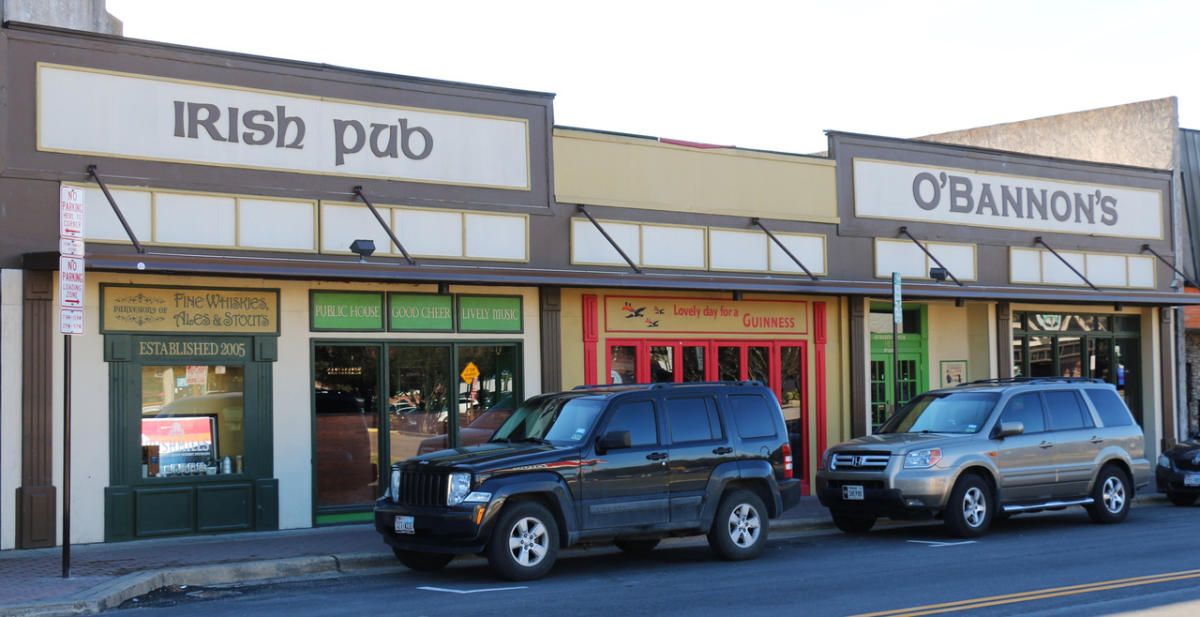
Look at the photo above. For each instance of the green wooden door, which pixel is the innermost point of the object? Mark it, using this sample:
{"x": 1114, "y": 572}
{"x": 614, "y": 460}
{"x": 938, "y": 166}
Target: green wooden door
{"x": 908, "y": 378}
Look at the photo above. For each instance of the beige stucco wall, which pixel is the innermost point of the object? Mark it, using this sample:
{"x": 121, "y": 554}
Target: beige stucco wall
{"x": 614, "y": 170}
{"x": 11, "y": 309}
{"x": 1141, "y": 134}
{"x": 837, "y": 420}
{"x": 292, "y": 391}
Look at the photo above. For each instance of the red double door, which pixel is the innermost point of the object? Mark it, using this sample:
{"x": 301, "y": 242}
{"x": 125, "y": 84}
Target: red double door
{"x": 780, "y": 364}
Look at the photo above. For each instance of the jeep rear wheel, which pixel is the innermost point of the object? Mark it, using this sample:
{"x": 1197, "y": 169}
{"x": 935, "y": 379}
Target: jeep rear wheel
{"x": 636, "y": 546}
{"x": 739, "y": 529}
{"x": 969, "y": 511}
{"x": 1182, "y": 499}
{"x": 850, "y": 523}
{"x": 524, "y": 543}
{"x": 1110, "y": 496}
{"x": 422, "y": 562}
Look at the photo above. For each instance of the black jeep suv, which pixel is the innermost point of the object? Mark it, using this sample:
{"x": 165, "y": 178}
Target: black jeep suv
{"x": 623, "y": 464}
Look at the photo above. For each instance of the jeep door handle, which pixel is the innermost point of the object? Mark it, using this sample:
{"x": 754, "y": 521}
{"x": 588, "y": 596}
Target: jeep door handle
{"x": 723, "y": 450}
{"x": 1046, "y": 444}
{"x": 656, "y": 456}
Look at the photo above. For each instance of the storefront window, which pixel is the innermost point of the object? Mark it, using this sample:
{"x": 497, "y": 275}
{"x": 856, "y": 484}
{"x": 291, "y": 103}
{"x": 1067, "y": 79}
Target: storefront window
{"x": 693, "y": 363}
{"x": 1070, "y": 362}
{"x": 729, "y": 363}
{"x": 418, "y": 405}
{"x": 345, "y": 387}
{"x": 193, "y": 420}
{"x": 758, "y": 360}
{"x": 662, "y": 364}
{"x": 623, "y": 359}
{"x": 1041, "y": 356}
{"x": 490, "y": 398}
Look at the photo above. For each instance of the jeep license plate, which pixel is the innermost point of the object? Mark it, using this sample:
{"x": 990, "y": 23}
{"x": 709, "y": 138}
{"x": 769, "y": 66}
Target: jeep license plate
{"x": 852, "y": 492}
{"x": 1191, "y": 479}
{"x": 404, "y": 524}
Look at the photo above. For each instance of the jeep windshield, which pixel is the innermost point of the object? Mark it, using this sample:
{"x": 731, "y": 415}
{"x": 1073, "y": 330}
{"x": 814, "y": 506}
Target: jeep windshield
{"x": 553, "y": 419}
{"x": 943, "y": 412}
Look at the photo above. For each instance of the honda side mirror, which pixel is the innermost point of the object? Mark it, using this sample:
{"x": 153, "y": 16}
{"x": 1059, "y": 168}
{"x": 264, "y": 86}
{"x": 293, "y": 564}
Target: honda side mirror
{"x": 1009, "y": 429}
{"x": 613, "y": 440}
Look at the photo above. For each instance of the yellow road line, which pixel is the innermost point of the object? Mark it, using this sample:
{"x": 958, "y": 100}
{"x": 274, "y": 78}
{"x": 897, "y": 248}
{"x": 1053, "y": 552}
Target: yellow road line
{"x": 1037, "y": 594}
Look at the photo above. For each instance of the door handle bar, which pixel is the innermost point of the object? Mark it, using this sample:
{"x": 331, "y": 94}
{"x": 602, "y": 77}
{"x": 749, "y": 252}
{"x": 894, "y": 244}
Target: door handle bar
{"x": 656, "y": 456}
{"x": 1046, "y": 444}
{"x": 722, "y": 450}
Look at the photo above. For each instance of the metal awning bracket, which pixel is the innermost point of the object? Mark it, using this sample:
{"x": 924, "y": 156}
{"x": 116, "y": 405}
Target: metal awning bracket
{"x": 358, "y": 192}
{"x": 1038, "y": 240}
{"x": 758, "y": 223}
{"x": 904, "y": 232}
{"x": 137, "y": 246}
{"x": 1146, "y": 249}
{"x": 604, "y": 233}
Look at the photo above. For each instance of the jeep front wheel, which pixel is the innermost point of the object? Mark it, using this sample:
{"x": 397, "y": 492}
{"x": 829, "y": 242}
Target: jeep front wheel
{"x": 422, "y": 562}
{"x": 739, "y": 529}
{"x": 524, "y": 543}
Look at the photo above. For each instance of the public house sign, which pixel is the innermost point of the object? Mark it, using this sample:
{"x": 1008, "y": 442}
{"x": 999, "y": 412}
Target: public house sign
{"x": 126, "y": 115}
{"x": 938, "y": 194}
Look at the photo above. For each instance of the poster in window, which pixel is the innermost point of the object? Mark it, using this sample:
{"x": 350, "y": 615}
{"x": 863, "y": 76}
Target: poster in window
{"x": 181, "y": 441}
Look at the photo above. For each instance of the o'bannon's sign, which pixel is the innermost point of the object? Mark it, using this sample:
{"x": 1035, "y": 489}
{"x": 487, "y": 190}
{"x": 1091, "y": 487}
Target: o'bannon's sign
{"x": 194, "y": 310}
{"x": 937, "y": 194}
{"x": 124, "y": 115}
{"x": 704, "y": 315}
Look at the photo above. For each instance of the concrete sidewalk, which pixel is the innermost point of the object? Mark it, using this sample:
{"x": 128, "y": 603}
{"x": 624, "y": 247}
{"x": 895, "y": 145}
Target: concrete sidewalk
{"x": 105, "y": 575}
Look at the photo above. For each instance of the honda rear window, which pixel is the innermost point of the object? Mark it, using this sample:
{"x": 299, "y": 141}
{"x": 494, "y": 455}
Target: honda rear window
{"x": 1110, "y": 407}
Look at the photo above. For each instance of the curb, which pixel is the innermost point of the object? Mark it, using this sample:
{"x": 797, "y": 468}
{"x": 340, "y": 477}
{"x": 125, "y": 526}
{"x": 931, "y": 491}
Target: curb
{"x": 111, "y": 594}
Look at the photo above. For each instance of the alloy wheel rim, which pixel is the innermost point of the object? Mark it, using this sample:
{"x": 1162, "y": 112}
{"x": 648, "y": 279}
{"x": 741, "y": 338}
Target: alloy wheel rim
{"x": 744, "y": 525}
{"x": 1114, "y": 494}
{"x": 974, "y": 507}
{"x": 528, "y": 542}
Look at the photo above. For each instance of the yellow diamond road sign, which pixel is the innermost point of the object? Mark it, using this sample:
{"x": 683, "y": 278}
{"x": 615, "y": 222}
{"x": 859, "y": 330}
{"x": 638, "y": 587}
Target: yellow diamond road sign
{"x": 470, "y": 374}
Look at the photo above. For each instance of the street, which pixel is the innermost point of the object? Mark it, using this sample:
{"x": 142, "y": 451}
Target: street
{"x": 1054, "y": 563}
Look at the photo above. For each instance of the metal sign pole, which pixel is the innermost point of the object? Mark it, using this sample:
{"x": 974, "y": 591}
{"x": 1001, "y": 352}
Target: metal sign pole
{"x": 897, "y": 319}
{"x": 66, "y": 539}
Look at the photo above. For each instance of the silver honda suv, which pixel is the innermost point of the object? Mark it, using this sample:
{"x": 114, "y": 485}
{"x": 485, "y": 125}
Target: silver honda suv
{"x": 991, "y": 449}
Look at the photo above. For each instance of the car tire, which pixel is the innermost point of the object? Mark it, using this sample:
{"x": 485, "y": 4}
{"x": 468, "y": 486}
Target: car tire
{"x": 423, "y": 562}
{"x": 524, "y": 542}
{"x": 1182, "y": 499}
{"x": 970, "y": 509}
{"x": 1111, "y": 495}
{"x": 739, "y": 528}
{"x": 638, "y": 546}
{"x": 850, "y": 523}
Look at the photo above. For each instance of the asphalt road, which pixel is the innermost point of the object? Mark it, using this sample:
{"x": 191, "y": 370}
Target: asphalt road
{"x": 1046, "y": 564}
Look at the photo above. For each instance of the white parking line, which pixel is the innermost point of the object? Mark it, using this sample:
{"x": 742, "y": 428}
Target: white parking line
{"x": 933, "y": 544}
{"x": 466, "y": 591}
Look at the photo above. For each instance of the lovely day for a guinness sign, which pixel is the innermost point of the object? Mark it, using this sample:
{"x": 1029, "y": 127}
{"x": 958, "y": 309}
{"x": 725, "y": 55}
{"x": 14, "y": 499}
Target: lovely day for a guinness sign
{"x": 124, "y": 115}
{"x": 935, "y": 194}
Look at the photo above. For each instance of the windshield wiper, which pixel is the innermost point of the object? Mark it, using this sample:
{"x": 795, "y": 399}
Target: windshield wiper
{"x": 537, "y": 440}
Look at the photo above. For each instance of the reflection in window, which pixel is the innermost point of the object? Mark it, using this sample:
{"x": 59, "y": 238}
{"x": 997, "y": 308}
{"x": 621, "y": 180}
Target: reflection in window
{"x": 1070, "y": 361}
{"x": 662, "y": 364}
{"x": 1041, "y": 356}
{"x": 758, "y": 360}
{"x": 729, "y": 363}
{"x": 693, "y": 364}
{"x": 193, "y": 420}
{"x": 418, "y": 404}
{"x": 345, "y": 382}
{"x": 623, "y": 359}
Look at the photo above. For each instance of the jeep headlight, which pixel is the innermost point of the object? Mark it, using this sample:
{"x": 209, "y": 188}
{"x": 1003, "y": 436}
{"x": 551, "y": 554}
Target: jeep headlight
{"x": 394, "y": 487}
{"x": 460, "y": 487}
{"x": 1164, "y": 461}
{"x": 923, "y": 459}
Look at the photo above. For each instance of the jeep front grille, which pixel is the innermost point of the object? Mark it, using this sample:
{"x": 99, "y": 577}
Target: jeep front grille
{"x": 1188, "y": 462}
{"x": 422, "y": 488}
{"x": 859, "y": 461}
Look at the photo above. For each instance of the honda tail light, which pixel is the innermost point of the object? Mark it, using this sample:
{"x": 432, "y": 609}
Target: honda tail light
{"x": 789, "y": 470}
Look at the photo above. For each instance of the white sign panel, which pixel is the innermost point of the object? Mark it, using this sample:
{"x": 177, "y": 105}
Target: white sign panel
{"x": 70, "y": 247}
{"x": 70, "y": 212}
{"x": 70, "y": 321}
{"x": 137, "y": 116}
{"x": 70, "y": 282}
{"x": 935, "y": 194}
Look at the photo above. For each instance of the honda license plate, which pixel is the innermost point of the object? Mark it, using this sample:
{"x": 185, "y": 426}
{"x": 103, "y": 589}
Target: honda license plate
{"x": 852, "y": 492}
{"x": 1191, "y": 479}
{"x": 404, "y": 524}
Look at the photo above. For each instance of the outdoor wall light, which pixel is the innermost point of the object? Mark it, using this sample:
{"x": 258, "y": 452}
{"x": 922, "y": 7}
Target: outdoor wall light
{"x": 737, "y": 295}
{"x": 363, "y": 248}
{"x": 937, "y": 274}
{"x": 443, "y": 289}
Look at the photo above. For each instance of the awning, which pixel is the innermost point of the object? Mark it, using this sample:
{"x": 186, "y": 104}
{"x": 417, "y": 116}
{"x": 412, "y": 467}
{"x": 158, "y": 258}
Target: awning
{"x": 113, "y": 258}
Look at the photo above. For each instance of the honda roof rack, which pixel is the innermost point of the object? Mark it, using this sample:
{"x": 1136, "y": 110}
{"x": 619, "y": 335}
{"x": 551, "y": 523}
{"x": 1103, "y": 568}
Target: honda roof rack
{"x": 1018, "y": 380}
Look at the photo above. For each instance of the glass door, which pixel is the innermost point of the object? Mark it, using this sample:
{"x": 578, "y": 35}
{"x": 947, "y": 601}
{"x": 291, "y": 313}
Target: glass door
{"x": 893, "y": 387}
{"x": 346, "y": 405}
{"x": 418, "y": 404}
{"x": 488, "y": 387}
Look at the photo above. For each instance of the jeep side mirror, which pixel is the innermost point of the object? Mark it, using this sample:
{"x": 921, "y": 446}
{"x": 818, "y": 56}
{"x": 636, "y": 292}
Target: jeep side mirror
{"x": 1009, "y": 429}
{"x": 613, "y": 440}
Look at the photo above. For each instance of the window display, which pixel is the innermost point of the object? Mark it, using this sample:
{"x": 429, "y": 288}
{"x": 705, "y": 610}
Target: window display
{"x": 192, "y": 420}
